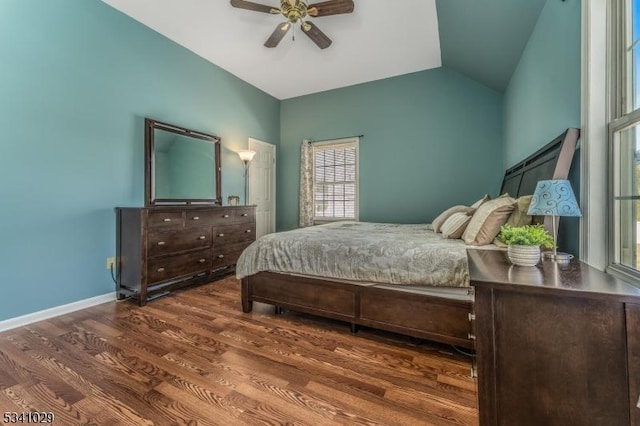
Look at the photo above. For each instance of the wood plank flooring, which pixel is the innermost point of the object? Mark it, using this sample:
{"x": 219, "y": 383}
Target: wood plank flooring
{"x": 194, "y": 358}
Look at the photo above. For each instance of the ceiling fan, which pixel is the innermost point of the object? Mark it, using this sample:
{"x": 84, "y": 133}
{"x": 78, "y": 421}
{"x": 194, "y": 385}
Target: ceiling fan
{"x": 296, "y": 11}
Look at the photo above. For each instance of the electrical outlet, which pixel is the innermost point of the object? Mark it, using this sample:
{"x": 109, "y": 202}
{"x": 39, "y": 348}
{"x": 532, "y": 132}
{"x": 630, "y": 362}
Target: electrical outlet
{"x": 111, "y": 263}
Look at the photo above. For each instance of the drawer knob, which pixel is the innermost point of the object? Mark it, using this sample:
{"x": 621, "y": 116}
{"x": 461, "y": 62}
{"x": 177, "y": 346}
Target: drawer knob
{"x": 248, "y": 231}
{"x": 221, "y": 256}
{"x": 225, "y": 216}
{"x": 220, "y": 235}
{"x": 471, "y": 336}
{"x": 244, "y": 215}
{"x": 161, "y": 243}
{"x": 202, "y": 237}
{"x": 160, "y": 269}
{"x": 166, "y": 219}
{"x": 202, "y": 260}
{"x": 196, "y": 218}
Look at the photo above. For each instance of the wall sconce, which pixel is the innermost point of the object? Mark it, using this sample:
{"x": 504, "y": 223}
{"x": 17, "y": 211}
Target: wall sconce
{"x": 246, "y": 156}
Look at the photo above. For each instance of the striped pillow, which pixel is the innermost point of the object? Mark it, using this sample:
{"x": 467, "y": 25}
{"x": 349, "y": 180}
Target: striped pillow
{"x": 442, "y": 217}
{"x": 454, "y": 227}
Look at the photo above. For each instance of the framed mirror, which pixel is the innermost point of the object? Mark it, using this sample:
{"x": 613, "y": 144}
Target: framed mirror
{"x": 182, "y": 166}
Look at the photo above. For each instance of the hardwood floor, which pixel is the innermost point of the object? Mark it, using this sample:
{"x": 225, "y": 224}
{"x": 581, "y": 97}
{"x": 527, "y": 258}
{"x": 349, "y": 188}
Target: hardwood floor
{"x": 194, "y": 358}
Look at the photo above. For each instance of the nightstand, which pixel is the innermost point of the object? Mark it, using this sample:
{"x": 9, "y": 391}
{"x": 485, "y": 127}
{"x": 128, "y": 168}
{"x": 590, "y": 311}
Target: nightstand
{"x": 556, "y": 344}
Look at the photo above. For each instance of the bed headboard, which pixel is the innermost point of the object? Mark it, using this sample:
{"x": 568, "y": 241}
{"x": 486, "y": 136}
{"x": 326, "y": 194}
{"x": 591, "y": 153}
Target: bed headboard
{"x": 552, "y": 161}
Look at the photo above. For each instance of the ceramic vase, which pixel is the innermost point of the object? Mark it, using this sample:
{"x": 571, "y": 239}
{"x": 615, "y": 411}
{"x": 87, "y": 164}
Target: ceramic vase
{"x": 524, "y": 255}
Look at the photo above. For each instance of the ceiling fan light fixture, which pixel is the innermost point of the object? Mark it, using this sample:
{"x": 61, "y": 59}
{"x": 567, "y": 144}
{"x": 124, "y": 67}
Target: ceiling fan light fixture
{"x": 296, "y": 11}
{"x": 293, "y": 10}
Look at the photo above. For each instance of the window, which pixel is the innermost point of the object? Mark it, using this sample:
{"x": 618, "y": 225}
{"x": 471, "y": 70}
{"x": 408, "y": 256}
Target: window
{"x": 335, "y": 180}
{"x": 624, "y": 140}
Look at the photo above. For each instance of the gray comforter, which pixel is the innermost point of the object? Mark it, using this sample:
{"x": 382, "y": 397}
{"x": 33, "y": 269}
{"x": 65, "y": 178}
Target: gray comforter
{"x": 360, "y": 251}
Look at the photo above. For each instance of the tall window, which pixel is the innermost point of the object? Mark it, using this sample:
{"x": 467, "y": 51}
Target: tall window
{"x": 624, "y": 140}
{"x": 335, "y": 180}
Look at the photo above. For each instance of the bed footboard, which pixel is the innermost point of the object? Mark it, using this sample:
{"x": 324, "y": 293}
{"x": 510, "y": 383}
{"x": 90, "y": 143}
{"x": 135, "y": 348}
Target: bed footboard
{"x": 416, "y": 315}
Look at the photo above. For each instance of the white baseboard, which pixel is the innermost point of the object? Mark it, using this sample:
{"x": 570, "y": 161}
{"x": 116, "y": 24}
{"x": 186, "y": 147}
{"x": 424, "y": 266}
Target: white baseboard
{"x": 16, "y": 322}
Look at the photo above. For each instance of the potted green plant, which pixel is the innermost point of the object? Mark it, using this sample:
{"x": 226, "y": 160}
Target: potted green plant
{"x": 524, "y": 243}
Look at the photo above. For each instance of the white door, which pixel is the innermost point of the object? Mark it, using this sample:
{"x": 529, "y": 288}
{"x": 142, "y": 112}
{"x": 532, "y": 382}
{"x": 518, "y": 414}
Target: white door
{"x": 262, "y": 186}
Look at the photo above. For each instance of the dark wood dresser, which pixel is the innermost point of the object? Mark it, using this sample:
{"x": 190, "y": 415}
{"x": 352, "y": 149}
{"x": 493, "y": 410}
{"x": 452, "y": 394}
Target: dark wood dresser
{"x": 556, "y": 344}
{"x": 160, "y": 249}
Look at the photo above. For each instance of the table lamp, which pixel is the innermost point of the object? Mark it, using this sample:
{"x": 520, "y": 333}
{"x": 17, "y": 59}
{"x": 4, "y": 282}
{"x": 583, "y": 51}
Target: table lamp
{"x": 554, "y": 198}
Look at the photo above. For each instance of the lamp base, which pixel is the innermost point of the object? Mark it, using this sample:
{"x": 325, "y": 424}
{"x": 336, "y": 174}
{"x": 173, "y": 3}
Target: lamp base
{"x": 558, "y": 257}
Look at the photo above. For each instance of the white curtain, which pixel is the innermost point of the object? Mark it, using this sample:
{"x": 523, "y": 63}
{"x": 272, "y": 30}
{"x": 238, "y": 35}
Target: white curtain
{"x": 306, "y": 184}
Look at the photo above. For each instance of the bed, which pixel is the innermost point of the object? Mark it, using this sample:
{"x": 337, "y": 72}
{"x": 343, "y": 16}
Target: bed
{"x": 426, "y": 295}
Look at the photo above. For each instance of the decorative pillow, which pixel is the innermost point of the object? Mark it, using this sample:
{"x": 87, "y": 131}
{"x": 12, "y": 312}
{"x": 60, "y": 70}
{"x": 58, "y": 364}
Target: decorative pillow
{"x": 481, "y": 201}
{"x": 454, "y": 226}
{"x": 438, "y": 221}
{"x": 519, "y": 217}
{"x": 487, "y": 220}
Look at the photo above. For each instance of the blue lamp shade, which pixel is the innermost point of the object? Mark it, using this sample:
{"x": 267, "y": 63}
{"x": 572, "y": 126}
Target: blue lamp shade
{"x": 554, "y": 198}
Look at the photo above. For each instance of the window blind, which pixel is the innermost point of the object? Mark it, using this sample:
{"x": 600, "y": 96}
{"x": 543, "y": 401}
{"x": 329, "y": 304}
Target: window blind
{"x": 335, "y": 189}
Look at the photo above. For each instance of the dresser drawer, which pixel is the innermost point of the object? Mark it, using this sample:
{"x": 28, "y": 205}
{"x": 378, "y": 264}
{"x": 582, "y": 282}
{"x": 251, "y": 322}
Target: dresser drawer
{"x": 232, "y": 234}
{"x": 160, "y": 219}
{"x": 213, "y": 217}
{"x": 165, "y": 242}
{"x": 227, "y": 255}
{"x": 246, "y": 214}
{"x": 169, "y": 267}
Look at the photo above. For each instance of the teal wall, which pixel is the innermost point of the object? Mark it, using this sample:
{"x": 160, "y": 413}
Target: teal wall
{"x": 76, "y": 81}
{"x": 543, "y": 96}
{"x": 431, "y": 139}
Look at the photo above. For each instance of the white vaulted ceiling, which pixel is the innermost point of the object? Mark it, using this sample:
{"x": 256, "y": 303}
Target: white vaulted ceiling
{"x": 379, "y": 39}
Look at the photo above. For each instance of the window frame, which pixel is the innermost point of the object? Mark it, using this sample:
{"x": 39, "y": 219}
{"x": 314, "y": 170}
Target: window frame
{"x": 621, "y": 101}
{"x": 355, "y": 141}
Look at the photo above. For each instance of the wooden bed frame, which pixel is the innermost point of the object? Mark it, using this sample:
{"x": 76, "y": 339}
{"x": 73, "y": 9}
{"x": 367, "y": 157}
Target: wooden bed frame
{"x": 417, "y": 315}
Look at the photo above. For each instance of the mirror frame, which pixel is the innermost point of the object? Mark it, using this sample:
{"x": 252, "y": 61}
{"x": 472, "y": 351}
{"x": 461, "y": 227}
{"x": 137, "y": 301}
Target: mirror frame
{"x": 150, "y": 200}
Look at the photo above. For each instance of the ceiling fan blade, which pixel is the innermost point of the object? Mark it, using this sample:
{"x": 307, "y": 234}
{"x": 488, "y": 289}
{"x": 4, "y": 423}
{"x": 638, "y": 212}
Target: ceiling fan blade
{"x": 316, "y": 35}
{"x": 331, "y": 7}
{"x": 278, "y": 34}
{"x": 256, "y": 7}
